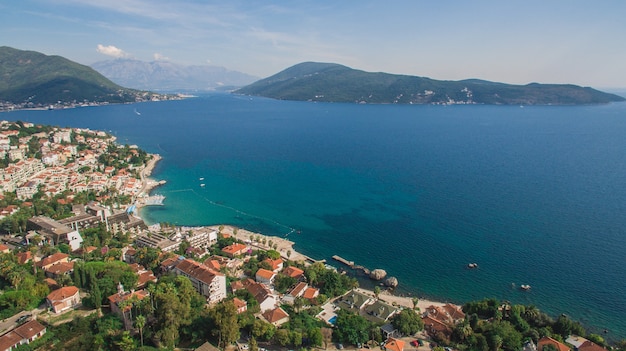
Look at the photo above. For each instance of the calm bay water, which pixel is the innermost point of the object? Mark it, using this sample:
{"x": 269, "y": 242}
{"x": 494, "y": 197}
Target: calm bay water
{"x": 534, "y": 195}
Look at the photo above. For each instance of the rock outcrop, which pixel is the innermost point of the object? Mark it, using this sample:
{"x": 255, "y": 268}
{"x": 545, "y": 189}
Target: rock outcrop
{"x": 391, "y": 282}
{"x": 378, "y": 274}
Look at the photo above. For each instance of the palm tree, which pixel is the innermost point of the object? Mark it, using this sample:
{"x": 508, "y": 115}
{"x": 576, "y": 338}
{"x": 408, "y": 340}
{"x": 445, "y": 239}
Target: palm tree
{"x": 376, "y": 292}
{"x": 140, "y": 322}
{"x": 415, "y": 300}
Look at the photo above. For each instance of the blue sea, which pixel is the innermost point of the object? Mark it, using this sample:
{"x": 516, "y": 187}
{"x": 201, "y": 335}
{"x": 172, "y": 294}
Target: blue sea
{"x": 534, "y": 195}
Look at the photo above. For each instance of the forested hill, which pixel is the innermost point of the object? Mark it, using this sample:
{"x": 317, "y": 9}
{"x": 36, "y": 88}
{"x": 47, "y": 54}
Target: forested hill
{"x": 329, "y": 82}
{"x": 34, "y": 78}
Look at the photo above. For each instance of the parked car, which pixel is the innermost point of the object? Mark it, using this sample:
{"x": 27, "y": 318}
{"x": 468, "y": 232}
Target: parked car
{"x": 414, "y": 343}
{"x": 420, "y": 342}
{"x": 23, "y": 318}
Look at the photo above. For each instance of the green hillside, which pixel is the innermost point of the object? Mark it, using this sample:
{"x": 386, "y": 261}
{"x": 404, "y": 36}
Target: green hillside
{"x": 29, "y": 76}
{"x": 312, "y": 81}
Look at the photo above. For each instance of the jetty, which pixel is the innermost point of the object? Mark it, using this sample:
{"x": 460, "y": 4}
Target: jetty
{"x": 351, "y": 264}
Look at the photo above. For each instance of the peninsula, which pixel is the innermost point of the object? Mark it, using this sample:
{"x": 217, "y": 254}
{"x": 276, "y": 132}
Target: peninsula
{"x": 329, "y": 82}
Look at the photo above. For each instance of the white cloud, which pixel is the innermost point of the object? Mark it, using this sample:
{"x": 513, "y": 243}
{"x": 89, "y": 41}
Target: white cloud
{"x": 112, "y": 51}
{"x": 160, "y": 57}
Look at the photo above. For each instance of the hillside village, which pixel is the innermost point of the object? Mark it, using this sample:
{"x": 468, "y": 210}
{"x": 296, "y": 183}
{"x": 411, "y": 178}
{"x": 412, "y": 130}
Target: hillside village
{"x": 80, "y": 270}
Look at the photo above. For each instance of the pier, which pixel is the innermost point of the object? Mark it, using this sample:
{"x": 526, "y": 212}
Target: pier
{"x": 351, "y": 264}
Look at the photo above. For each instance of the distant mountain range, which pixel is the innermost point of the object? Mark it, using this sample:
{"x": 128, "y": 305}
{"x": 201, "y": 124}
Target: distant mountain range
{"x": 164, "y": 75}
{"x": 329, "y": 82}
{"x": 32, "y": 79}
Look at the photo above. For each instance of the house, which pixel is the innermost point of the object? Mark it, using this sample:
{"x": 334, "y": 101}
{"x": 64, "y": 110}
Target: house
{"x": 380, "y": 311}
{"x": 310, "y": 294}
{"x": 63, "y": 299}
{"x": 213, "y": 264}
{"x": 4, "y": 249}
{"x": 53, "y": 259}
{"x": 24, "y": 257}
{"x": 299, "y": 289}
{"x": 277, "y": 264}
{"x": 590, "y": 346}
{"x": 24, "y": 334}
{"x": 394, "y": 345}
{"x": 235, "y": 250}
{"x": 236, "y": 285}
{"x": 264, "y": 276}
{"x": 59, "y": 269}
{"x": 441, "y": 318}
{"x": 354, "y": 301}
{"x": 276, "y": 316}
{"x": 264, "y": 296}
{"x": 546, "y": 340}
{"x": 120, "y": 306}
{"x": 241, "y": 305}
{"x": 433, "y": 326}
{"x": 207, "y": 347}
{"x": 294, "y": 272}
{"x": 209, "y": 283}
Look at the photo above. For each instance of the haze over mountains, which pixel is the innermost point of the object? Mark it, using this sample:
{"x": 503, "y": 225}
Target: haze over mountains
{"x": 330, "y": 82}
{"x": 165, "y": 75}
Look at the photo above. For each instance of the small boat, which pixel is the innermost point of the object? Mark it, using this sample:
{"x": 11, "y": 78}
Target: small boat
{"x": 472, "y": 265}
{"x": 202, "y": 185}
{"x": 524, "y": 287}
{"x": 200, "y": 178}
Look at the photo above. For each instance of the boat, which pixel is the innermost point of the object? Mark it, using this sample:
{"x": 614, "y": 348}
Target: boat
{"x": 524, "y": 287}
{"x": 472, "y": 265}
{"x": 201, "y": 178}
{"x": 202, "y": 185}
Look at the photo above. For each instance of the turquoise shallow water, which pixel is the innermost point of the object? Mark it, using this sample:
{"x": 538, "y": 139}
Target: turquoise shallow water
{"x": 535, "y": 195}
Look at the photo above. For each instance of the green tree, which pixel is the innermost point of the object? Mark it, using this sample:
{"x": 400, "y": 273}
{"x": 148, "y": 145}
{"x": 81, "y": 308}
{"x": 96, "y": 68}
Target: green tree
{"x": 126, "y": 343}
{"x": 224, "y": 316}
{"x": 282, "y": 337}
{"x": 140, "y": 323}
{"x": 408, "y": 322}
{"x": 352, "y": 328}
{"x": 315, "y": 337}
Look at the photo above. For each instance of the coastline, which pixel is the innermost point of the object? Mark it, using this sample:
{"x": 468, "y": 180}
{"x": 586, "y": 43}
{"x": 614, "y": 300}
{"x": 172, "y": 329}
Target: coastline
{"x": 283, "y": 246}
{"x": 148, "y": 183}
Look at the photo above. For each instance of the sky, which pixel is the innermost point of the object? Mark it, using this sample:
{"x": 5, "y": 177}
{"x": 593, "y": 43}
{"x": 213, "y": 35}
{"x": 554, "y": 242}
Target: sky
{"x": 510, "y": 41}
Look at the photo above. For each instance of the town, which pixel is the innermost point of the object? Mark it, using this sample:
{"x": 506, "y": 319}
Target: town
{"x": 79, "y": 269}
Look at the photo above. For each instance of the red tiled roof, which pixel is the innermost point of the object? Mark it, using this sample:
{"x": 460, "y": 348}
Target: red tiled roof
{"x": 293, "y": 272}
{"x": 197, "y": 271}
{"x": 590, "y": 346}
{"x": 29, "y": 329}
{"x": 549, "y": 341}
{"x": 23, "y": 257}
{"x": 275, "y": 315}
{"x": 117, "y": 298}
{"x": 310, "y": 293}
{"x": 264, "y": 273}
{"x": 213, "y": 264}
{"x": 60, "y": 268}
{"x": 298, "y": 289}
{"x": 394, "y": 345}
{"x": 236, "y": 286}
{"x": 62, "y": 293}
{"x": 239, "y": 303}
{"x": 275, "y": 264}
{"x": 234, "y": 249}
{"x": 52, "y": 259}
